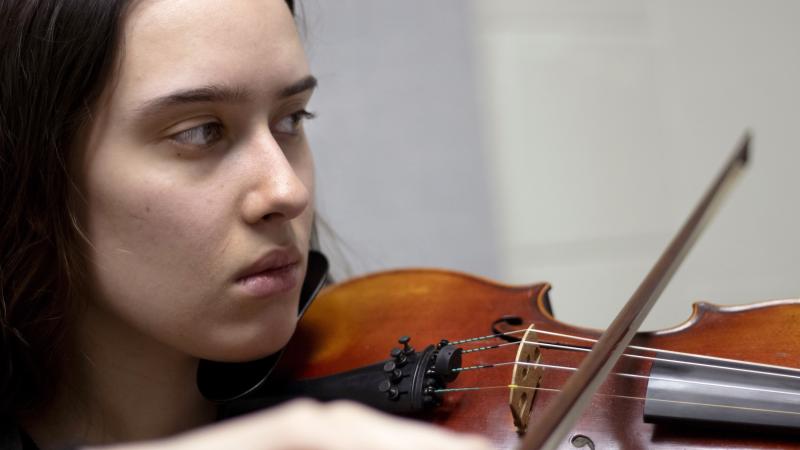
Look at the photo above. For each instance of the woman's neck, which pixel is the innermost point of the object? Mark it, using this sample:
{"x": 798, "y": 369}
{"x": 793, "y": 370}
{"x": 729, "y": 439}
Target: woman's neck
{"x": 120, "y": 385}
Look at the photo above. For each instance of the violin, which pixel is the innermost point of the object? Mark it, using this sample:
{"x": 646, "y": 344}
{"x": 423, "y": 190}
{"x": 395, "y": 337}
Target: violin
{"x": 477, "y": 356}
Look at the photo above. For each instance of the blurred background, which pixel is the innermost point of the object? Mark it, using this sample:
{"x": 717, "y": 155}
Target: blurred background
{"x": 560, "y": 141}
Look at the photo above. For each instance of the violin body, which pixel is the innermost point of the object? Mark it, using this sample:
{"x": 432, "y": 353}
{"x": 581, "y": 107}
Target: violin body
{"x": 356, "y": 323}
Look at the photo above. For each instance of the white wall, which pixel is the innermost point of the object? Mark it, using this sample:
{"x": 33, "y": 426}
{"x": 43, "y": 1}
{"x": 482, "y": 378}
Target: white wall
{"x": 606, "y": 122}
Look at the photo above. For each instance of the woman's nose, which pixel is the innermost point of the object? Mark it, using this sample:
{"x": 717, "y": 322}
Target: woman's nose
{"x": 277, "y": 189}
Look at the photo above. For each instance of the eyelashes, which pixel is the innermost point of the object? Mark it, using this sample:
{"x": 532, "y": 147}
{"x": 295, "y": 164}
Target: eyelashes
{"x": 208, "y": 134}
{"x": 290, "y": 124}
{"x": 204, "y": 135}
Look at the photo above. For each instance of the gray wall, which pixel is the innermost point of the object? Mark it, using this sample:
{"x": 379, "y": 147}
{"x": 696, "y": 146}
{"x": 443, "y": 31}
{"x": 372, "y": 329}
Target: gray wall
{"x": 401, "y": 172}
{"x": 561, "y": 140}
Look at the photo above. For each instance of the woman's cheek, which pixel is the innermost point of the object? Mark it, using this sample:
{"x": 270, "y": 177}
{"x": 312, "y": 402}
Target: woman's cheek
{"x": 156, "y": 254}
{"x": 165, "y": 263}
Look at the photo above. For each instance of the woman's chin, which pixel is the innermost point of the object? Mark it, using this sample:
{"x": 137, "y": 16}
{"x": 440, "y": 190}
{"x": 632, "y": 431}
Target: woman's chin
{"x": 241, "y": 345}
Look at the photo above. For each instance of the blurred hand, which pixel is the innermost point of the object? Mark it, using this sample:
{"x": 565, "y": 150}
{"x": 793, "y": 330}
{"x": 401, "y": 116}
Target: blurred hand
{"x": 308, "y": 425}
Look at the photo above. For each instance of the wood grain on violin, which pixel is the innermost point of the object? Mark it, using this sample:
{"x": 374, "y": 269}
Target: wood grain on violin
{"x": 357, "y": 322}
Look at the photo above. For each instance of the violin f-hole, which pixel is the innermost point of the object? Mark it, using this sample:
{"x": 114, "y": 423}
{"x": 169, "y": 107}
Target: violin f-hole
{"x": 509, "y": 320}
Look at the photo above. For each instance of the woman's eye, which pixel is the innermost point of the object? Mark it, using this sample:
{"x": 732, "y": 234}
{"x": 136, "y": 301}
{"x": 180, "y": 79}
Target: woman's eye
{"x": 291, "y": 124}
{"x": 203, "y": 135}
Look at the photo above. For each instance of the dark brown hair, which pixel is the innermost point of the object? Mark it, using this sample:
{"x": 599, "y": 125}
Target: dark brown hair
{"x": 56, "y": 57}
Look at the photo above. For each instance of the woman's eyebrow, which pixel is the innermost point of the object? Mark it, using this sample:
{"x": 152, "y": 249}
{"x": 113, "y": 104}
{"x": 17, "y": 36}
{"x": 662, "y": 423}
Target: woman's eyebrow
{"x": 217, "y": 93}
{"x": 212, "y": 93}
{"x": 304, "y": 84}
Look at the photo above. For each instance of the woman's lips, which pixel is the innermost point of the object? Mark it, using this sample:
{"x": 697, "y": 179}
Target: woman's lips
{"x": 276, "y": 272}
{"x": 271, "y": 281}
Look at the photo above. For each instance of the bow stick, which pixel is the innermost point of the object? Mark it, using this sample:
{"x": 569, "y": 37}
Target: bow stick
{"x": 548, "y": 431}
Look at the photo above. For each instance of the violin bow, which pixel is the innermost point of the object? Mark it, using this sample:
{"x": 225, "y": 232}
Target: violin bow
{"x": 550, "y": 428}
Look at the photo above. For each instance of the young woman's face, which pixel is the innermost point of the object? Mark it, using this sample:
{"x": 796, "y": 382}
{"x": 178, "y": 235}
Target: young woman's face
{"x": 198, "y": 180}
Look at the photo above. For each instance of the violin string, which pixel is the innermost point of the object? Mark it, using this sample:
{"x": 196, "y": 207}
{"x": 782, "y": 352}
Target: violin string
{"x": 540, "y": 342}
{"x": 626, "y": 375}
{"x": 630, "y": 355}
{"x": 649, "y": 349}
{"x": 628, "y": 397}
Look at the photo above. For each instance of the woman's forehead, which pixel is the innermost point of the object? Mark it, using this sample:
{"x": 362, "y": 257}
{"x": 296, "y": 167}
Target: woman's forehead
{"x": 172, "y": 45}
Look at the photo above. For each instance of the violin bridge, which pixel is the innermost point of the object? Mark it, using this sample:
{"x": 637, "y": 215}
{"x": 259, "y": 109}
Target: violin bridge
{"x": 525, "y": 379}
